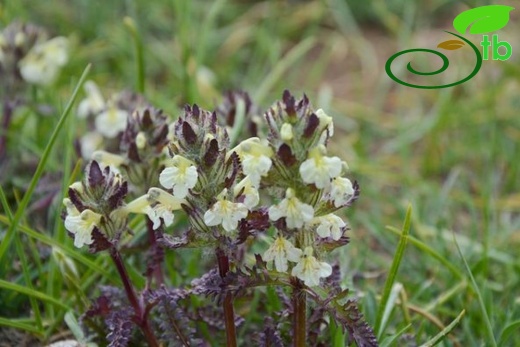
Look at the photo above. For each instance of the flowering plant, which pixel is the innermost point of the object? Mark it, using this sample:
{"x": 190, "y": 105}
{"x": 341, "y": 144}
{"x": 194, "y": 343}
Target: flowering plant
{"x": 282, "y": 188}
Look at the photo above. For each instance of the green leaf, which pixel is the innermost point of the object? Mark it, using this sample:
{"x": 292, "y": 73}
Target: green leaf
{"x": 483, "y": 19}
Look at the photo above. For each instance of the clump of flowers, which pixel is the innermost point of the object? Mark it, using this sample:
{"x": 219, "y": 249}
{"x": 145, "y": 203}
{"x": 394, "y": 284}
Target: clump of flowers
{"x": 107, "y": 120}
{"x": 283, "y": 187}
{"x": 30, "y": 61}
{"x": 27, "y": 55}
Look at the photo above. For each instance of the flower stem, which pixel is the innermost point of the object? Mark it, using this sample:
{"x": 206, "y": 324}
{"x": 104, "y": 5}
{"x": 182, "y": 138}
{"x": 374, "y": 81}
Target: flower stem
{"x": 139, "y": 310}
{"x": 7, "y": 113}
{"x": 229, "y": 314}
{"x": 157, "y": 255}
{"x": 299, "y": 298}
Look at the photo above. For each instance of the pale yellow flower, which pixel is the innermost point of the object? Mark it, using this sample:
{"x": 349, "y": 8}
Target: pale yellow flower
{"x": 93, "y": 103}
{"x": 226, "y": 213}
{"x": 248, "y": 190}
{"x": 319, "y": 169}
{"x": 340, "y": 191}
{"x": 179, "y": 174}
{"x": 82, "y": 225}
{"x": 255, "y": 157}
{"x": 111, "y": 121}
{"x": 281, "y": 251}
{"x": 329, "y": 225}
{"x": 44, "y": 61}
{"x": 296, "y": 213}
{"x": 89, "y": 143}
{"x": 158, "y": 205}
{"x": 310, "y": 270}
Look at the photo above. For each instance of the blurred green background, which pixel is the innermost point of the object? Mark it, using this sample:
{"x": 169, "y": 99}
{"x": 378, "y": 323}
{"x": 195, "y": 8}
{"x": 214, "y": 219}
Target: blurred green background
{"x": 452, "y": 154}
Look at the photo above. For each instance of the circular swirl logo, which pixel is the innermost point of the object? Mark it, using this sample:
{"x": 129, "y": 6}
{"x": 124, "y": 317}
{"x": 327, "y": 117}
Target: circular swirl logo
{"x": 479, "y": 20}
{"x": 445, "y": 64}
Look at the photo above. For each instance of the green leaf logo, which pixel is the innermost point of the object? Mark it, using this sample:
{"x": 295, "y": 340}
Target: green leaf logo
{"x": 451, "y": 45}
{"x": 483, "y": 19}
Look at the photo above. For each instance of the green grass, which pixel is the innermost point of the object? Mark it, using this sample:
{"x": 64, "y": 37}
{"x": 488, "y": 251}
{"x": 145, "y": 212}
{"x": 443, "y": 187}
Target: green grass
{"x": 451, "y": 154}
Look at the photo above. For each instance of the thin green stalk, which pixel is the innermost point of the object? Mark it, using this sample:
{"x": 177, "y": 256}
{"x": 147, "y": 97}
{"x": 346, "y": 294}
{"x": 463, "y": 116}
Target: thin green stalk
{"x": 277, "y": 72}
{"x": 23, "y": 260}
{"x": 240, "y": 118}
{"x": 31, "y": 292}
{"x": 399, "y": 253}
{"x": 9, "y": 322}
{"x": 6, "y": 242}
{"x": 440, "y": 336}
{"x": 138, "y": 49}
{"x": 69, "y": 252}
{"x": 489, "y": 327}
{"x": 427, "y": 249}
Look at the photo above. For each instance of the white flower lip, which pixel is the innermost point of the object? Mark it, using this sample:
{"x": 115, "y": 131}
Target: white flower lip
{"x": 180, "y": 174}
{"x": 93, "y": 103}
{"x": 310, "y": 270}
{"x": 296, "y": 213}
{"x": 255, "y": 157}
{"x": 158, "y": 205}
{"x": 329, "y": 226}
{"x": 43, "y": 62}
{"x": 82, "y": 225}
{"x": 340, "y": 191}
{"x": 89, "y": 143}
{"x": 226, "y": 213}
{"x": 248, "y": 190}
{"x": 111, "y": 121}
{"x": 319, "y": 169}
{"x": 282, "y": 251}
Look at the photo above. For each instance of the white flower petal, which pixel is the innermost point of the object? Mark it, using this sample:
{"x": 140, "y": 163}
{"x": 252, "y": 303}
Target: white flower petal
{"x": 111, "y": 122}
{"x": 310, "y": 270}
{"x": 82, "y": 226}
{"x": 180, "y": 174}
{"x": 340, "y": 191}
{"x": 281, "y": 251}
{"x": 211, "y": 218}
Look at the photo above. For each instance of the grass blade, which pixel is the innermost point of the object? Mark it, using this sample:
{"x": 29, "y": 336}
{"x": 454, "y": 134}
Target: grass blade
{"x": 138, "y": 48}
{"x": 23, "y": 260}
{"x": 390, "y": 304}
{"x": 39, "y": 170}
{"x": 440, "y": 336}
{"x": 9, "y": 322}
{"x": 485, "y": 315}
{"x": 508, "y": 330}
{"x": 53, "y": 243}
{"x": 392, "y": 339}
{"x": 276, "y": 73}
{"x": 427, "y": 249}
{"x": 31, "y": 292}
{"x": 399, "y": 253}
